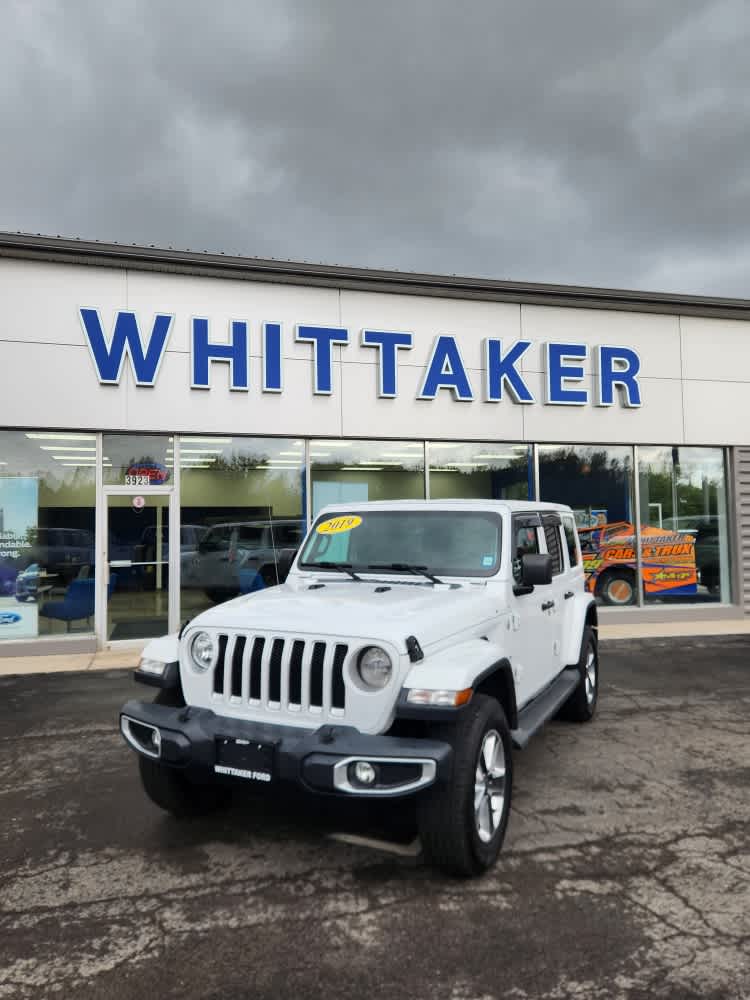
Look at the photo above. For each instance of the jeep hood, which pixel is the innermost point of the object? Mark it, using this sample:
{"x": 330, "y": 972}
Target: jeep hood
{"x": 347, "y": 609}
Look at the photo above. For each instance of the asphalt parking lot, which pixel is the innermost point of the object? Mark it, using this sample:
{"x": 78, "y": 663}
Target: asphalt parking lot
{"x": 626, "y": 871}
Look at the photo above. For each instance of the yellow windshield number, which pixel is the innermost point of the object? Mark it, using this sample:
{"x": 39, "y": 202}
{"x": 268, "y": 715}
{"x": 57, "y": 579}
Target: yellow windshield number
{"x": 337, "y": 525}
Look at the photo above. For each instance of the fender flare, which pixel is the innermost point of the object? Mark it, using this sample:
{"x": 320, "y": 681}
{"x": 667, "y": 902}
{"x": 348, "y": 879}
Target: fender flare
{"x": 475, "y": 663}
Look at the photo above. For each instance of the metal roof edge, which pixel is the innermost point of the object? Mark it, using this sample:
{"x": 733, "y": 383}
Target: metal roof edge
{"x": 205, "y": 264}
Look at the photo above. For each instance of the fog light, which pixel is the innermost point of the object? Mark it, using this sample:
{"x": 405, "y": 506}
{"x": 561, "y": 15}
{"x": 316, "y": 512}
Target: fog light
{"x": 363, "y": 773}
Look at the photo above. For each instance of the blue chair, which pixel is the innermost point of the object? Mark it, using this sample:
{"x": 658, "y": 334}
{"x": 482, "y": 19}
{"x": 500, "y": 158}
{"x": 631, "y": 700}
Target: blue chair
{"x": 77, "y": 603}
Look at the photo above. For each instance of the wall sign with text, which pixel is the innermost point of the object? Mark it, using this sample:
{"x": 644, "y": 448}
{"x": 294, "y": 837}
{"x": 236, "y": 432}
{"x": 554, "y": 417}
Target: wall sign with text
{"x": 616, "y": 368}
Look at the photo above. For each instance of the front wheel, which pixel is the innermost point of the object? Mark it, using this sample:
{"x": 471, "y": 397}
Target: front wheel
{"x": 581, "y": 705}
{"x": 171, "y": 790}
{"x": 462, "y": 821}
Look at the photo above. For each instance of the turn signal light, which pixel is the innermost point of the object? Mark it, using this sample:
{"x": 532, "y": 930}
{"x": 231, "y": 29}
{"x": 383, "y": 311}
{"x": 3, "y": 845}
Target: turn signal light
{"x": 442, "y": 699}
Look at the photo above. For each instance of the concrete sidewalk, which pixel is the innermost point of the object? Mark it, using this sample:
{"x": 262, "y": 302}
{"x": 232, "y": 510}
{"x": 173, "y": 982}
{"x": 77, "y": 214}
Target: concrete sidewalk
{"x": 126, "y": 657}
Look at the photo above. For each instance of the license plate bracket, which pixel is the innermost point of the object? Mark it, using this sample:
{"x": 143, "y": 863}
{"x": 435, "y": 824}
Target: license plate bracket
{"x": 249, "y": 759}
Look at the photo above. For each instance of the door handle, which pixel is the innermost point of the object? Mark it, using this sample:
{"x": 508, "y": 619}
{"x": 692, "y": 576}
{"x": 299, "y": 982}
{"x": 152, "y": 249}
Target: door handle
{"x": 547, "y": 605}
{"x": 568, "y": 594}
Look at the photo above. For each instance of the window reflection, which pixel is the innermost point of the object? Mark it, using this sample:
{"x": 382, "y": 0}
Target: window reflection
{"x": 487, "y": 471}
{"x": 355, "y": 471}
{"x": 242, "y": 510}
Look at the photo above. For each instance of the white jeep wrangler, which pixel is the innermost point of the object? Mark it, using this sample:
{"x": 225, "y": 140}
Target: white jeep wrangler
{"x": 412, "y": 644}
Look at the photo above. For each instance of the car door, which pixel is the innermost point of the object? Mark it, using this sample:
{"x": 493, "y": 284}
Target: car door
{"x": 553, "y": 540}
{"x": 535, "y": 629}
{"x": 573, "y": 576}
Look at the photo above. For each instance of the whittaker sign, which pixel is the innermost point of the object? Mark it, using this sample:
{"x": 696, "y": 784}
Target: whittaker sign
{"x": 615, "y": 368}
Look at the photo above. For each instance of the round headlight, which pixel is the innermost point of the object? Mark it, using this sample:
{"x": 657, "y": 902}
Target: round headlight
{"x": 375, "y": 667}
{"x": 202, "y": 651}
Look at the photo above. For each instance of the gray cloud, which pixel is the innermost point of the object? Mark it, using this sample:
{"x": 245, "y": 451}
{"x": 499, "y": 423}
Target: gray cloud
{"x": 585, "y": 142}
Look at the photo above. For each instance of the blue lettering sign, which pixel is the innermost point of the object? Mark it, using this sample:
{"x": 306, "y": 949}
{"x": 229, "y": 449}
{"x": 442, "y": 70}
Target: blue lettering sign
{"x": 126, "y": 342}
{"x": 234, "y": 353}
{"x": 617, "y": 366}
{"x": 446, "y": 370}
{"x": 388, "y": 345}
{"x": 322, "y": 338}
{"x": 502, "y": 369}
{"x": 560, "y": 371}
{"x": 272, "y": 357}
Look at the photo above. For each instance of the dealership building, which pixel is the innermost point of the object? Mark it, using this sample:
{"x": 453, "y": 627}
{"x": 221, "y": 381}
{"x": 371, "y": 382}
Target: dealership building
{"x": 171, "y": 421}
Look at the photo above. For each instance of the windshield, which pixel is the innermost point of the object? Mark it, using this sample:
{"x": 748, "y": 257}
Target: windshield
{"x": 452, "y": 543}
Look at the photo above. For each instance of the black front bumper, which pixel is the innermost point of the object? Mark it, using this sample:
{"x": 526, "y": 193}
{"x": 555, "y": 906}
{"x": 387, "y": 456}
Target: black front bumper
{"x": 321, "y": 760}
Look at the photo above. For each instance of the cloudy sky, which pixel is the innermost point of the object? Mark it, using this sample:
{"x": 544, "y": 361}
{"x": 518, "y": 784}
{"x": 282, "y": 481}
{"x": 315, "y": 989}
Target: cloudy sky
{"x": 601, "y": 142}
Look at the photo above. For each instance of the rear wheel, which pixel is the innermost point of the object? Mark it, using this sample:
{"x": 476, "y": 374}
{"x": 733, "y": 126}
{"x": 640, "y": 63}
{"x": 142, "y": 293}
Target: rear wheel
{"x": 617, "y": 587}
{"x": 581, "y": 705}
{"x": 169, "y": 787}
{"x": 462, "y": 821}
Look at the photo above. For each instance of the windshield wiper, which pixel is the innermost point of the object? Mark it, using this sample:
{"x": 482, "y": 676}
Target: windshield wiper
{"x": 406, "y": 568}
{"x": 343, "y": 567}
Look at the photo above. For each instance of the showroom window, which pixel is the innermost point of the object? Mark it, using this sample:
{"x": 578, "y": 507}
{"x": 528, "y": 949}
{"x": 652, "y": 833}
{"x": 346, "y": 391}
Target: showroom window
{"x": 354, "y": 471}
{"x": 47, "y": 498}
{"x": 684, "y": 532}
{"x": 597, "y": 482}
{"x": 487, "y": 471}
{"x": 242, "y": 510}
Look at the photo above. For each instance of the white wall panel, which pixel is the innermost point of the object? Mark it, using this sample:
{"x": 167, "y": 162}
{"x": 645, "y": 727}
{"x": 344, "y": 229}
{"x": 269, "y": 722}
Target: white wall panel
{"x": 53, "y": 385}
{"x": 222, "y": 300}
{"x": 655, "y": 338}
{"x": 427, "y": 318}
{"x": 717, "y": 412}
{"x": 39, "y": 302}
{"x": 658, "y": 421}
{"x": 715, "y": 349}
{"x": 175, "y": 406}
{"x": 408, "y": 417}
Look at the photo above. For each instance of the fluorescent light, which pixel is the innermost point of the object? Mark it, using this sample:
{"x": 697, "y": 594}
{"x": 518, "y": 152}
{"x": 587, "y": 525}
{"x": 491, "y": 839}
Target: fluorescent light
{"x": 443, "y": 444}
{"x": 507, "y": 457}
{"x": 297, "y": 453}
{"x": 320, "y": 454}
{"x": 194, "y": 465}
{"x": 81, "y": 465}
{"x": 361, "y": 468}
{"x": 66, "y": 447}
{"x": 332, "y": 444}
{"x": 3, "y": 463}
{"x": 201, "y": 451}
{"x": 399, "y": 454}
{"x": 205, "y": 440}
{"x": 61, "y": 437}
{"x": 459, "y": 465}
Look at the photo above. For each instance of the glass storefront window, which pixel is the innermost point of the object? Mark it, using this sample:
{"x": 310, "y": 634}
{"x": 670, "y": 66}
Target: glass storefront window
{"x": 684, "y": 532}
{"x": 47, "y": 552}
{"x": 487, "y": 471}
{"x": 242, "y": 505}
{"x": 597, "y": 482}
{"x": 354, "y": 471}
{"x": 137, "y": 460}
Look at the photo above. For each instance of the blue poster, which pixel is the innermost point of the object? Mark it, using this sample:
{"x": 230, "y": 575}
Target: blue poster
{"x": 19, "y": 507}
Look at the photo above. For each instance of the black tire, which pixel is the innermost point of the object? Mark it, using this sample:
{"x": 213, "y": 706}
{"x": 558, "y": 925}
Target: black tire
{"x": 448, "y": 824}
{"x": 172, "y": 790}
{"x": 581, "y": 706}
{"x": 618, "y": 588}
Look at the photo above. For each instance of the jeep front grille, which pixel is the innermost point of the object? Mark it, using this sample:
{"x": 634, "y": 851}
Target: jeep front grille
{"x": 294, "y": 675}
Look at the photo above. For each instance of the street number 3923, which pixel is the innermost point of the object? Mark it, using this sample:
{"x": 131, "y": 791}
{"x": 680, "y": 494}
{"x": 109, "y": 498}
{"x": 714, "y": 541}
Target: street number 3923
{"x": 137, "y": 481}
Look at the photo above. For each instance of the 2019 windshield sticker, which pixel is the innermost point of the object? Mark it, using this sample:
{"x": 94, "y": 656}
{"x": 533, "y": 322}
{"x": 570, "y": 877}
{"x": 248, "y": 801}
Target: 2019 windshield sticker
{"x": 337, "y": 525}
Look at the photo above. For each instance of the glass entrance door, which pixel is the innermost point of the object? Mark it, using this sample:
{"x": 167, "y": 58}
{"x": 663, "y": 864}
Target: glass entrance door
{"x": 137, "y": 594}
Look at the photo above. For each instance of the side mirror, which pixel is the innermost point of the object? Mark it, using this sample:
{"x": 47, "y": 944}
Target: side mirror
{"x": 284, "y": 562}
{"x": 536, "y": 571}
